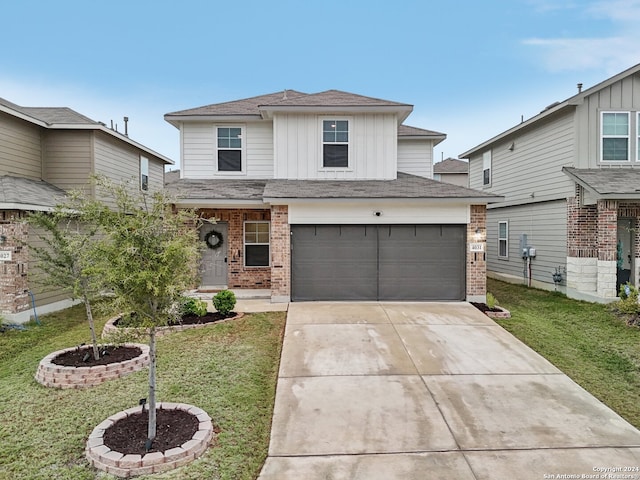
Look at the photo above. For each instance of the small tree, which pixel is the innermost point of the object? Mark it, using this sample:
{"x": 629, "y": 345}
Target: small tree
{"x": 149, "y": 256}
{"x": 66, "y": 259}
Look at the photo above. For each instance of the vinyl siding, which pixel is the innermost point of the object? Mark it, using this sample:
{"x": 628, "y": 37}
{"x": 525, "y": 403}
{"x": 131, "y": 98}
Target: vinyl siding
{"x": 415, "y": 157}
{"x": 533, "y": 170}
{"x": 67, "y": 158}
{"x": 546, "y": 227}
{"x": 373, "y": 147}
{"x": 623, "y": 95}
{"x": 20, "y": 148}
{"x": 43, "y": 294}
{"x": 199, "y": 150}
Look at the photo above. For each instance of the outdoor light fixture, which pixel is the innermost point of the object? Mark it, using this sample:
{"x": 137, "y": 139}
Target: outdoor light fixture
{"x": 478, "y": 236}
{"x": 3, "y": 239}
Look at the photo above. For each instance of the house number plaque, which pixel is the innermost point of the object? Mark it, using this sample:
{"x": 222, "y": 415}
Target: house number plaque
{"x": 476, "y": 247}
{"x": 5, "y": 255}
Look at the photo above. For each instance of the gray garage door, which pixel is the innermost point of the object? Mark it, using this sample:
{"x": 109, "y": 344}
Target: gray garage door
{"x": 378, "y": 262}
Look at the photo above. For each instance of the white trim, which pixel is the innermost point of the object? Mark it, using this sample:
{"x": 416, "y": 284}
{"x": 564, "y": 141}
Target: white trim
{"x": 25, "y": 206}
{"x": 505, "y": 239}
{"x": 244, "y": 243}
{"x": 242, "y": 149}
{"x": 348, "y": 143}
{"x": 601, "y": 137}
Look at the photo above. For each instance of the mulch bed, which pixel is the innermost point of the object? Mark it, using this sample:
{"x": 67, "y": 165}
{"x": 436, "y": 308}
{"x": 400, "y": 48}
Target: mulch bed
{"x": 108, "y": 354}
{"x": 484, "y": 308}
{"x": 129, "y": 435}
{"x": 210, "y": 317}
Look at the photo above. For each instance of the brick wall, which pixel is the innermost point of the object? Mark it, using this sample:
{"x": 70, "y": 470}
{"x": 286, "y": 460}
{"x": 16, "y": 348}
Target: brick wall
{"x": 14, "y": 287}
{"x": 280, "y": 253}
{"x": 476, "y": 262}
{"x": 607, "y": 229}
{"x": 582, "y": 228}
{"x": 240, "y": 276}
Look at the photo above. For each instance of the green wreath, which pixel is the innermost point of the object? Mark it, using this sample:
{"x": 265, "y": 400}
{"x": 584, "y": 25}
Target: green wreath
{"x": 216, "y": 242}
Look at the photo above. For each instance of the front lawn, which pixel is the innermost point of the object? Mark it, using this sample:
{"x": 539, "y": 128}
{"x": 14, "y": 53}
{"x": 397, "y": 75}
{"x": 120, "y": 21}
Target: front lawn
{"x": 229, "y": 370}
{"x": 585, "y": 340}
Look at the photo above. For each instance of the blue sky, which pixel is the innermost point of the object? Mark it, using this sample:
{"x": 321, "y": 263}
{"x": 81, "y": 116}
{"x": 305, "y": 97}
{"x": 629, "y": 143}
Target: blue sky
{"x": 470, "y": 68}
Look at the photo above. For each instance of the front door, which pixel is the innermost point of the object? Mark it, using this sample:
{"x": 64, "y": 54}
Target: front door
{"x": 213, "y": 267}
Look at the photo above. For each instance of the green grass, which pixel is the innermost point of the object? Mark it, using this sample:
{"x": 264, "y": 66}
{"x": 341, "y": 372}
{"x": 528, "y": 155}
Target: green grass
{"x": 229, "y": 370}
{"x": 587, "y": 341}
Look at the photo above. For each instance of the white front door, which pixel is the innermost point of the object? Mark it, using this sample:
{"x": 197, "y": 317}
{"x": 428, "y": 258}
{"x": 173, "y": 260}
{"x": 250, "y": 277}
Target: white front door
{"x": 213, "y": 267}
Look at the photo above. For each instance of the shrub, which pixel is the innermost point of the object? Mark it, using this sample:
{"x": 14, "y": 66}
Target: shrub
{"x": 492, "y": 301}
{"x": 193, "y": 306}
{"x": 224, "y": 301}
{"x": 628, "y": 303}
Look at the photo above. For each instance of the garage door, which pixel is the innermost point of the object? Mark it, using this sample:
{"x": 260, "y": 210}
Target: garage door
{"x": 378, "y": 262}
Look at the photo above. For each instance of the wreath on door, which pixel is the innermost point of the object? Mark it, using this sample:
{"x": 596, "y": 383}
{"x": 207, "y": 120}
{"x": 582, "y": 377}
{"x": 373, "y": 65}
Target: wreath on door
{"x": 213, "y": 239}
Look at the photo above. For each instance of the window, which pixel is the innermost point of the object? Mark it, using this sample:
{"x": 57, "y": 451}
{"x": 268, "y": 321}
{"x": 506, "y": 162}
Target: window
{"x": 144, "y": 173}
{"x": 335, "y": 143}
{"x": 486, "y": 168}
{"x": 256, "y": 244}
{"x": 503, "y": 239}
{"x": 615, "y": 137}
{"x": 229, "y": 149}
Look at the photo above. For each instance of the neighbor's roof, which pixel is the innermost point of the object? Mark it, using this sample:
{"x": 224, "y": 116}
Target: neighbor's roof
{"x": 451, "y": 165}
{"x": 553, "y": 108}
{"x": 613, "y": 183}
{"x": 66, "y": 118}
{"x": 25, "y": 194}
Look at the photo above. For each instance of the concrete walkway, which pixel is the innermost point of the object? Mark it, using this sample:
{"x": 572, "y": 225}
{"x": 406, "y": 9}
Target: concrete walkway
{"x": 386, "y": 391}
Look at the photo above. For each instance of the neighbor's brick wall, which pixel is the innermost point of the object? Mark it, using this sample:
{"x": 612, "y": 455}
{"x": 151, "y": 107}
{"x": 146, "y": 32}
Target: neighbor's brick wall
{"x": 14, "y": 287}
{"x": 280, "y": 252}
{"x": 476, "y": 262}
{"x": 240, "y": 276}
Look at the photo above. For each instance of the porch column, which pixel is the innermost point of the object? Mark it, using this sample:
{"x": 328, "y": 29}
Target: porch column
{"x": 280, "y": 254}
{"x": 607, "y": 239}
{"x": 477, "y": 261}
{"x": 14, "y": 288}
{"x": 582, "y": 249}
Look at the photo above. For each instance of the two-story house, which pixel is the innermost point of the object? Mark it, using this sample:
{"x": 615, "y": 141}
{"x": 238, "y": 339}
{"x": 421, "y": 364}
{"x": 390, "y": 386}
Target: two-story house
{"x": 571, "y": 181}
{"x": 45, "y": 152}
{"x": 327, "y": 196}
{"x": 452, "y": 170}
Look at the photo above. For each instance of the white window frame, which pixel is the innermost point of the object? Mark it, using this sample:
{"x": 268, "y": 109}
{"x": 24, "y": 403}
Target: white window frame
{"x": 242, "y": 149}
{"x": 603, "y": 136}
{"x": 348, "y": 143}
{"x": 504, "y": 239}
{"x": 486, "y": 165}
{"x": 144, "y": 173}
{"x": 245, "y": 243}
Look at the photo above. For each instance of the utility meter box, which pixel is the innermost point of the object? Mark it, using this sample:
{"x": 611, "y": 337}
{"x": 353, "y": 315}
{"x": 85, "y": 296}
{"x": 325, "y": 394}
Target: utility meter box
{"x": 532, "y": 251}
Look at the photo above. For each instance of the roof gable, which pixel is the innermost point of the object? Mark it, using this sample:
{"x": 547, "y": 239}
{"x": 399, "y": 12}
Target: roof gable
{"x": 451, "y": 165}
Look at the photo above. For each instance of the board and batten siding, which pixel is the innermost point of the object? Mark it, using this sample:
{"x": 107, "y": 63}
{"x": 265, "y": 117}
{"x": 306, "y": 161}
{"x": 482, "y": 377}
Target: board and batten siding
{"x": 545, "y": 225}
{"x": 623, "y": 95}
{"x": 533, "y": 169}
{"x": 67, "y": 158}
{"x": 20, "y": 148}
{"x": 373, "y": 147}
{"x": 199, "y": 150}
{"x": 415, "y": 157}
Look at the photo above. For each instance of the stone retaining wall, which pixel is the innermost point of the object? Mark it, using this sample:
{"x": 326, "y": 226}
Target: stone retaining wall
{"x": 51, "y": 375}
{"x": 110, "y": 328}
{"x": 116, "y": 463}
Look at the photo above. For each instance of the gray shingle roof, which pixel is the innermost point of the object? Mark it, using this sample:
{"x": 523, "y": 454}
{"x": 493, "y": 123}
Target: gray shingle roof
{"x": 246, "y": 106}
{"x": 609, "y": 182}
{"x": 51, "y": 115}
{"x": 218, "y": 189}
{"x": 408, "y": 131}
{"x": 451, "y": 165}
{"x": 24, "y": 191}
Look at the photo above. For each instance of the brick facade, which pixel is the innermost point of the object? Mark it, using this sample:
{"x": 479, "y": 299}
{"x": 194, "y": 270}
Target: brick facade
{"x": 238, "y": 275}
{"x": 280, "y": 254}
{"x": 582, "y": 228}
{"x": 14, "y": 287}
{"x": 477, "y": 262}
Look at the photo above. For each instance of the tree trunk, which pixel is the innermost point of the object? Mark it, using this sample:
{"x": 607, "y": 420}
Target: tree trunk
{"x": 87, "y": 306}
{"x": 151, "y": 432}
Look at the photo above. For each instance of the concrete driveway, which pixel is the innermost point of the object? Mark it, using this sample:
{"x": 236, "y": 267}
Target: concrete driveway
{"x": 431, "y": 390}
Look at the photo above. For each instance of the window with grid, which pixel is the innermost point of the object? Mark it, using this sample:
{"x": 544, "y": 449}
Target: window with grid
{"x": 256, "y": 244}
{"x": 335, "y": 143}
{"x": 503, "y": 239}
{"x": 229, "y": 149}
{"x": 615, "y": 137}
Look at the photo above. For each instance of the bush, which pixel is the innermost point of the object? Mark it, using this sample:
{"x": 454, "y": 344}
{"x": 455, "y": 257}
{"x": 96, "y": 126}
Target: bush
{"x": 628, "y": 303}
{"x": 224, "y": 301}
{"x": 492, "y": 301}
{"x": 193, "y": 306}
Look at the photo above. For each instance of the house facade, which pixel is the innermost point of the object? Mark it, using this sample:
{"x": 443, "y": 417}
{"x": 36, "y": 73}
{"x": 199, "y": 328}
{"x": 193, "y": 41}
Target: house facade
{"x": 45, "y": 152}
{"x": 327, "y": 196}
{"x": 452, "y": 170}
{"x": 569, "y": 177}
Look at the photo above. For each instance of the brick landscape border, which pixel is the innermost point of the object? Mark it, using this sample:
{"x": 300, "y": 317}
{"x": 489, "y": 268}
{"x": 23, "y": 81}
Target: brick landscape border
{"x": 503, "y": 313}
{"x": 118, "y": 464}
{"x": 110, "y": 327}
{"x": 58, "y": 376}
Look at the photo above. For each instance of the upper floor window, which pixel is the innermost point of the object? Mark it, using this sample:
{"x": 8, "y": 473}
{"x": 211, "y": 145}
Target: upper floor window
{"x": 335, "y": 143}
{"x": 229, "y": 149}
{"x": 486, "y": 168}
{"x": 615, "y": 137}
{"x": 144, "y": 173}
{"x": 256, "y": 244}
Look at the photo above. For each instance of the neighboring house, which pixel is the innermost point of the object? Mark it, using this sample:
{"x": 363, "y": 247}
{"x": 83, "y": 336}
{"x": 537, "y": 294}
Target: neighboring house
{"x": 451, "y": 170}
{"x": 43, "y": 153}
{"x": 327, "y": 196}
{"x": 570, "y": 177}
